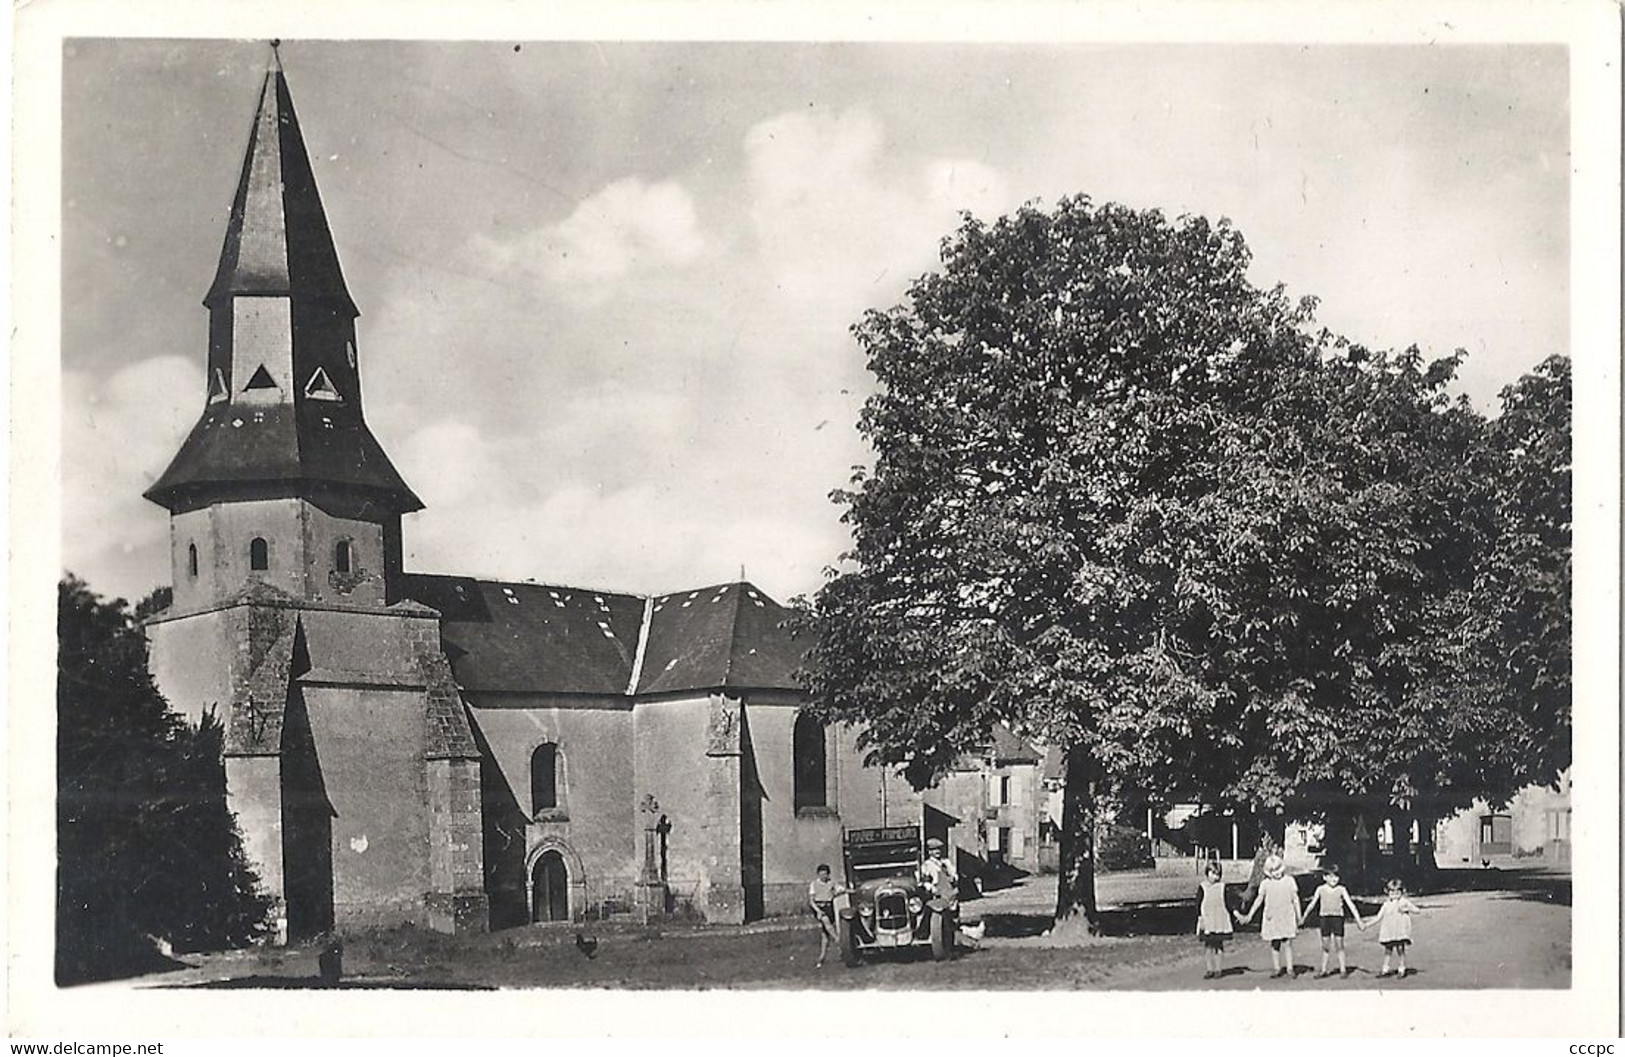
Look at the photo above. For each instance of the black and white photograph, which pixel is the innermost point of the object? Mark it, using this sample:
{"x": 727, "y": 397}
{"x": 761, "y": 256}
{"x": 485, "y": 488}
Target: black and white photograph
{"x": 1070, "y": 508}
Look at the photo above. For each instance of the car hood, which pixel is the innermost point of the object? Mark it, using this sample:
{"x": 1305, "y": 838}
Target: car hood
{"x": 900, "y": 882}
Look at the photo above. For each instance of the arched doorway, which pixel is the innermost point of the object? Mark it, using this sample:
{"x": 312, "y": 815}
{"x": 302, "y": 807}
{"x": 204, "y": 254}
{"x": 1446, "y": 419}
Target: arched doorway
{"x": 549, "y": 888}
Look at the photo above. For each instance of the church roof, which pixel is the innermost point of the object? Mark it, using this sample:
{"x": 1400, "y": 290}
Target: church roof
{"x": 730, "y": 635}
{"x": 277, "y": 239}
{"x": 281, "y": 444}
{"x": 541, "y": 638}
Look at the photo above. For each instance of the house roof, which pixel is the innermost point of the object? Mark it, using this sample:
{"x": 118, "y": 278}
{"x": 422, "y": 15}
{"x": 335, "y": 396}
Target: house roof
{"x": 1008, "y": 747}
{"x": 512, "y": 637}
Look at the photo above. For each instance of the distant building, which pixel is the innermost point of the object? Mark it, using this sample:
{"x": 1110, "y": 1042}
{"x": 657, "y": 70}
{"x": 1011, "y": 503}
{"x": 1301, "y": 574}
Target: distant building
{"x": 1015, "y": 802}
{"x": 454, "y": 752}
{"x": 1536, "y": 823}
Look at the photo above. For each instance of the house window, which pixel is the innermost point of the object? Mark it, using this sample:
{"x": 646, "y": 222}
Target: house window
{"x": 341, "y": 556}
{"x": 191, "y": 559}
{"x": 259, "y": 554}
{"x": 1004, "y": 789}
{"x": 811, "y": 771}
{"x": 544, "y": 778}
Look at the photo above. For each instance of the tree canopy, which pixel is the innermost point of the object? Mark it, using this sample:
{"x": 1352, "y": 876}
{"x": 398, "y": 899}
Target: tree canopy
{"x": 145, "y": 845}
{"x": 1140, "y": 508}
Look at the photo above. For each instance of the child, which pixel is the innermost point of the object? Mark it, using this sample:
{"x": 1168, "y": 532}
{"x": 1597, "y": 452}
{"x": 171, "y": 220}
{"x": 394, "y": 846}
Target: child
{"x": 1394, "y": 927}
{"x": 1212, "y": 919}
{"x": 1278, "y": 895}
{"x": 821, "y": 893}
{"x": 1331, "y": 899}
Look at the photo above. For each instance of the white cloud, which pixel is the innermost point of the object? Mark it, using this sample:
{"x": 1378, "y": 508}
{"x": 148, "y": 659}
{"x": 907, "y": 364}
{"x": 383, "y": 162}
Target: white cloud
{"x": 839, "y": 219}
{"x": 118, "y": 434}
{"x": 626, "y": 227}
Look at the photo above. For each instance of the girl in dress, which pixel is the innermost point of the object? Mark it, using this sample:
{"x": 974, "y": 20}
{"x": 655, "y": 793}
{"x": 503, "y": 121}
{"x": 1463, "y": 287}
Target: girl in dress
{"x": 1394, "y": 927}
{"x": 1212, "y": 919}
{"x": 1278, "y": 895}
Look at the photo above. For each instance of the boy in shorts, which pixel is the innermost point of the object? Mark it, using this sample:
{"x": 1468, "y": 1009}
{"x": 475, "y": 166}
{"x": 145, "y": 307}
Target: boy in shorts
{"x": 821, "y": 895}
{"x": 1331, "y": 899}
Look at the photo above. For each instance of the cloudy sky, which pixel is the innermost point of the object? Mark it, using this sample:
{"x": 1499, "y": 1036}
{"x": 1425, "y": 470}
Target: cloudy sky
{"x": 605, "y": 289}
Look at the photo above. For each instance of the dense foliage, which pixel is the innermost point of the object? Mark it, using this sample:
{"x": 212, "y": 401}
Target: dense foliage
{"x": 145, "y": 845}
{"x": 1137, "y": 507}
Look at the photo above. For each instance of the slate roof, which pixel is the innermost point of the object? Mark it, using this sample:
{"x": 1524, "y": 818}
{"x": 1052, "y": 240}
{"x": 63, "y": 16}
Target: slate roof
{"x": 544, "y": 638}
{"x": 278, "y": 244}
{"x": 280, "y": 444}
{"x": 277, "y": 239}
{"x": 1008, "y": 747}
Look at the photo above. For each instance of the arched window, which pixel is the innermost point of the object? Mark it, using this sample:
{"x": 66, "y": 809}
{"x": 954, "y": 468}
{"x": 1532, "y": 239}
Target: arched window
{"x": 811, "y": 763}
{"x": 259, "y": 554}
{"x": 341, "y": 556}
{"x": 544, "y": 778}
{"x": 191, "y": 559}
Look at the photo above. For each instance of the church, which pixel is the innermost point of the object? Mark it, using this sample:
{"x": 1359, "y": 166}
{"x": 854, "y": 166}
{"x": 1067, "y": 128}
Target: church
{"x": 450, "y": 752}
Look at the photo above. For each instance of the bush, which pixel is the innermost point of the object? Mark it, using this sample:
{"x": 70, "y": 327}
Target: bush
{"x": 1122, "y": 848}
{"x": 147, "y": 853}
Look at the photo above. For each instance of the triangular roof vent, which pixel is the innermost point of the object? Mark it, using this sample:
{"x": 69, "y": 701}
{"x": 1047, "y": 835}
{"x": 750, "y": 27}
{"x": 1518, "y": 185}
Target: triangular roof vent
{"x": 261, "y": 380}
{"x": 217, "y": 387}
{"x": 320, "y": 387}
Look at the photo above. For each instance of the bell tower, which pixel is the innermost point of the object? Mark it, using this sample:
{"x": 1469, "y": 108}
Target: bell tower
{"x": 349, "y": 761}
{"x": 281, "y": 482}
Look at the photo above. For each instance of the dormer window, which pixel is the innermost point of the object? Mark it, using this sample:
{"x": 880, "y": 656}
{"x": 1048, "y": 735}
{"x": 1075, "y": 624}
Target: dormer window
{"x": 217, "y": 387}
{"x": 341, "y": 556}
{"x": 259, "y": 554}
{"x": 260, "y": 379}
{"x": 320, "y": 387}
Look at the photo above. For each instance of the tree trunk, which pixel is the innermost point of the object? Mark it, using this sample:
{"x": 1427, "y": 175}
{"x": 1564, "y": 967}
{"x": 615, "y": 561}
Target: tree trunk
{"x": 1426, "y": 852}
{"x": 1075, "y": 889}
{"x": 1404, "y": 859}
{"x": 1341, "y": 849}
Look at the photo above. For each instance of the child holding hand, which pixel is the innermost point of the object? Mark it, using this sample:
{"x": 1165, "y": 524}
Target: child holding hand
{"x": 1278, "y": 895}
{"x": 1330, "y": 900}
{"x": 1394, "y": 927}
{"x": 1212, "y": 919}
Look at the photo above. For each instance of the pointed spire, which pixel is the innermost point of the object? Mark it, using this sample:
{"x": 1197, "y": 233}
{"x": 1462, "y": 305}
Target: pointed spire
{"x": 277, "y": 239}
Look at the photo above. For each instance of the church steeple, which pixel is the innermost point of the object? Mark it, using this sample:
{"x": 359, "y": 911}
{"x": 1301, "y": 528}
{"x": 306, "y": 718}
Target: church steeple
{"x": 281, "y": 483}
{"x": 283, "y": 386}
{"x": 277, "y": 240}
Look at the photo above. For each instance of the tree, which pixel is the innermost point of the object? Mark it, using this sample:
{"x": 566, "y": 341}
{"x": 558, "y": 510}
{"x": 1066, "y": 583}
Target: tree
{"x": 1126, "y": 501}
{"x": 145, "y": 845}
{"x": 1064, "y": 425}
{"x": 1528, "y": 582}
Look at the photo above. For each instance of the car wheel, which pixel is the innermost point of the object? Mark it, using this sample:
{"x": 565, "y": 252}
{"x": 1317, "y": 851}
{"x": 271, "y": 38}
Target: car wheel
{"x": 942, "y": 937}
{"x": 847, "y": 942}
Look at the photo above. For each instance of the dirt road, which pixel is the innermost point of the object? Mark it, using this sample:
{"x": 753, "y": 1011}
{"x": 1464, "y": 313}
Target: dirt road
{"x": 1497, "y": 930}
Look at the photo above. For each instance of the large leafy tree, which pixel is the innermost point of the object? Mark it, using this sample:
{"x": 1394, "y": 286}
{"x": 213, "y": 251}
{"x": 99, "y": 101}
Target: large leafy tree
{"x": 1128, "y": 502}
{"x": 1066, "y": 418}
{"x": 145, "y": 845}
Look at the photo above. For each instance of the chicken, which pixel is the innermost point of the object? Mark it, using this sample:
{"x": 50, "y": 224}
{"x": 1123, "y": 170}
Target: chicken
{"x": 974, "y": 931}
{"x": 586, "y": 945}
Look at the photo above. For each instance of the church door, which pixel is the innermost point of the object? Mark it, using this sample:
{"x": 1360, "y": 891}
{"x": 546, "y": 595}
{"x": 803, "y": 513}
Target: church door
{"x": 550, "y": 889}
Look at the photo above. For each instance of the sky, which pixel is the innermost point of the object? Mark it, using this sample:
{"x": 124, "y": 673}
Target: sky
{"x": 606, "y": 289}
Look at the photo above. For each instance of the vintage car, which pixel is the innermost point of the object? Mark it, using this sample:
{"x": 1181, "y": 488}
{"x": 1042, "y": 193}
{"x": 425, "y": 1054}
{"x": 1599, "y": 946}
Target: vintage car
{"x": 887, "y": 905}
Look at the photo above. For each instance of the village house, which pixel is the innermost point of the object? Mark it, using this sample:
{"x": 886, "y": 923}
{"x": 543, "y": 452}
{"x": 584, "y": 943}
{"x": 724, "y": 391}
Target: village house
{"x": 444, "y": 750}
